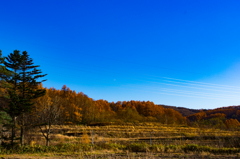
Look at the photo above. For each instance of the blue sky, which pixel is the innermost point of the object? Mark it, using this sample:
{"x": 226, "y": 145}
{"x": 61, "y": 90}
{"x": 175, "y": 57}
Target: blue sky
{"x": 181, "y": 53}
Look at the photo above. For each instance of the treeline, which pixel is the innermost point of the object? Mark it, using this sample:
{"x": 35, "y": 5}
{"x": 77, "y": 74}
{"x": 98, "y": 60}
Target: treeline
{"x": 78, "y": 108}
{"x": 182, "y": 110}
{"x": 224, "y": 117}
{"x": 64, "y": 107}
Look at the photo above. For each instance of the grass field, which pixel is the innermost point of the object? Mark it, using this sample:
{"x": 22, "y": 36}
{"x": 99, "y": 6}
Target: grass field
{"x": 141, "y": 140}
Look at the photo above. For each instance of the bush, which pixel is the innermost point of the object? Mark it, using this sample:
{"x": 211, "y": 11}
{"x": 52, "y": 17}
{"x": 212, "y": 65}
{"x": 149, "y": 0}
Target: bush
{"x": 85, "y": 138}
{"x": 138, "y": 147}
{"x": 190, "y": 147}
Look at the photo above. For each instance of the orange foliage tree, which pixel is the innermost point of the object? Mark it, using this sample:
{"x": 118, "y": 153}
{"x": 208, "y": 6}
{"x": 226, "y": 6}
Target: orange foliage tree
{"x": 47, "y": 111}
{"x": 197, "y": 116}
{"x": 232, "y": 123}
{"x": 71, "y": 106}
{"x": 217, "y": 115}
{"x": 103, "y": 111}
{"x": 78, "y": 108}
{"x": 150, "y": 111}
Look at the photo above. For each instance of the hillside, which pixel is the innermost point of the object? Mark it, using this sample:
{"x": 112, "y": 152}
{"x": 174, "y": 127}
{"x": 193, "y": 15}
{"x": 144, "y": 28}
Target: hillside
{"x": 223, "y": 117}
{"x": 182, "y": 110}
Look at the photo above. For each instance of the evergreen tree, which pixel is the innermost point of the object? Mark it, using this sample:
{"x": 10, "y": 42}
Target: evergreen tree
{"x": 13, "y": 107}
{"x": 2, "y": 68}
{"x": 3, "y": 72}
{"x": 28, "y": 87}
{"x": 23, "y": 88}
{"x": 5, "y": 119}
{"x": 1, "y": 62}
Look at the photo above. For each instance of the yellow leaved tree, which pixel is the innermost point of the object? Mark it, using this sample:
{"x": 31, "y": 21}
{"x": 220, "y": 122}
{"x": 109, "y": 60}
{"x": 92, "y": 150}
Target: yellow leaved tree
{"x": 47, "y": 111}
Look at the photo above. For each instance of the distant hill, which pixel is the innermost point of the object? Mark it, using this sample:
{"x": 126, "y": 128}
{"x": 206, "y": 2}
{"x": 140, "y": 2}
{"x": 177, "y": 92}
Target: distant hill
{"x": 182, "y": 110}
{"x": 230, "y": 111}
{"x": 223, "y": 113}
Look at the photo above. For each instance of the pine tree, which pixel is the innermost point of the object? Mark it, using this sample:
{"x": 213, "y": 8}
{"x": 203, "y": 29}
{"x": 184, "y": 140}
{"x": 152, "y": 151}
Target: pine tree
{"x": 1, "y": 62}
{"x": 2, "y": 68}
{"x": 13, "y": 108}
{"x": 2, "y": 83}
{"x": 3, "y": 73}
{"x": 23, "y": 88}
{"x": 5, "y": 119}
{"x": 28, "y": 87}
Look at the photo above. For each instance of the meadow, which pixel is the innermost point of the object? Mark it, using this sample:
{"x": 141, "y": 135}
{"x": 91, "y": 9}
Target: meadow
{"x": 129, "y": 140}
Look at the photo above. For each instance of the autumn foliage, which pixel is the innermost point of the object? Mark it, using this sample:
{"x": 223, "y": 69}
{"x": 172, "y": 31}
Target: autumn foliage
{"x": 68, "y": 107}
{"x": 232, "y": 123}
{"x": 197, "y": 116}
{"x": 227, "y": 117}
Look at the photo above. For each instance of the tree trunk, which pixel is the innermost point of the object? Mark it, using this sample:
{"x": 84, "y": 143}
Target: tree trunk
{"x": 1, "y": 135}
{"x": 47, "y": 141}
{"x": 22, "y": 131}
{"x": 13, "y": 132}
{"x": 22, "y": 136}
{"x": 12, "y": 137}
{"x": 48, "y": 133}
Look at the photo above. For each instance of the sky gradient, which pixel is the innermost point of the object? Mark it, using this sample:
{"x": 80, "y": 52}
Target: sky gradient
{"x": 181, "y": 53}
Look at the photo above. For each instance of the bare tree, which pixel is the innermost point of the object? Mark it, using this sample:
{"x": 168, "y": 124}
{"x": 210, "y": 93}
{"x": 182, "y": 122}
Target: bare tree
{"x": 47, "y": 112}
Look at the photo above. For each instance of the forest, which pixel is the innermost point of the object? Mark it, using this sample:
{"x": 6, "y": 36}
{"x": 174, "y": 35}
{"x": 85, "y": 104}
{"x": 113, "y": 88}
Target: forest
{"x": 26, "y": 106}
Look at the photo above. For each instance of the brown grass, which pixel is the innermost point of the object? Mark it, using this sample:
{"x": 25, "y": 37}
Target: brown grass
{"x": 137, "y": 133}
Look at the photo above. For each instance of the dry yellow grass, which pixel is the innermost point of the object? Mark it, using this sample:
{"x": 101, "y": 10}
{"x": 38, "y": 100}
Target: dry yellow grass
{"x": 140, "y": 132}
{"x": 85, "y": 138}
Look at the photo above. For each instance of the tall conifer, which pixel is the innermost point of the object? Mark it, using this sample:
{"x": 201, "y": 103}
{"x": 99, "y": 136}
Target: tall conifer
{"x": 28, "y": 87}
{"x": 23, "y": 88}
{"x": 13, "y": 108}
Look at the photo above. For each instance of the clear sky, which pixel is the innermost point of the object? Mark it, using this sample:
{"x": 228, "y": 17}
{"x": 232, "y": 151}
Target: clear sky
{"x": 182, "y": 53}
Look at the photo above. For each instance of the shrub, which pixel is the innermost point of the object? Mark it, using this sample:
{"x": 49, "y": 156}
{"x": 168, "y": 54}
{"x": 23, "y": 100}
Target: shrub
{"x": 85, "y": 138}
{"x": 138, "y": 147}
